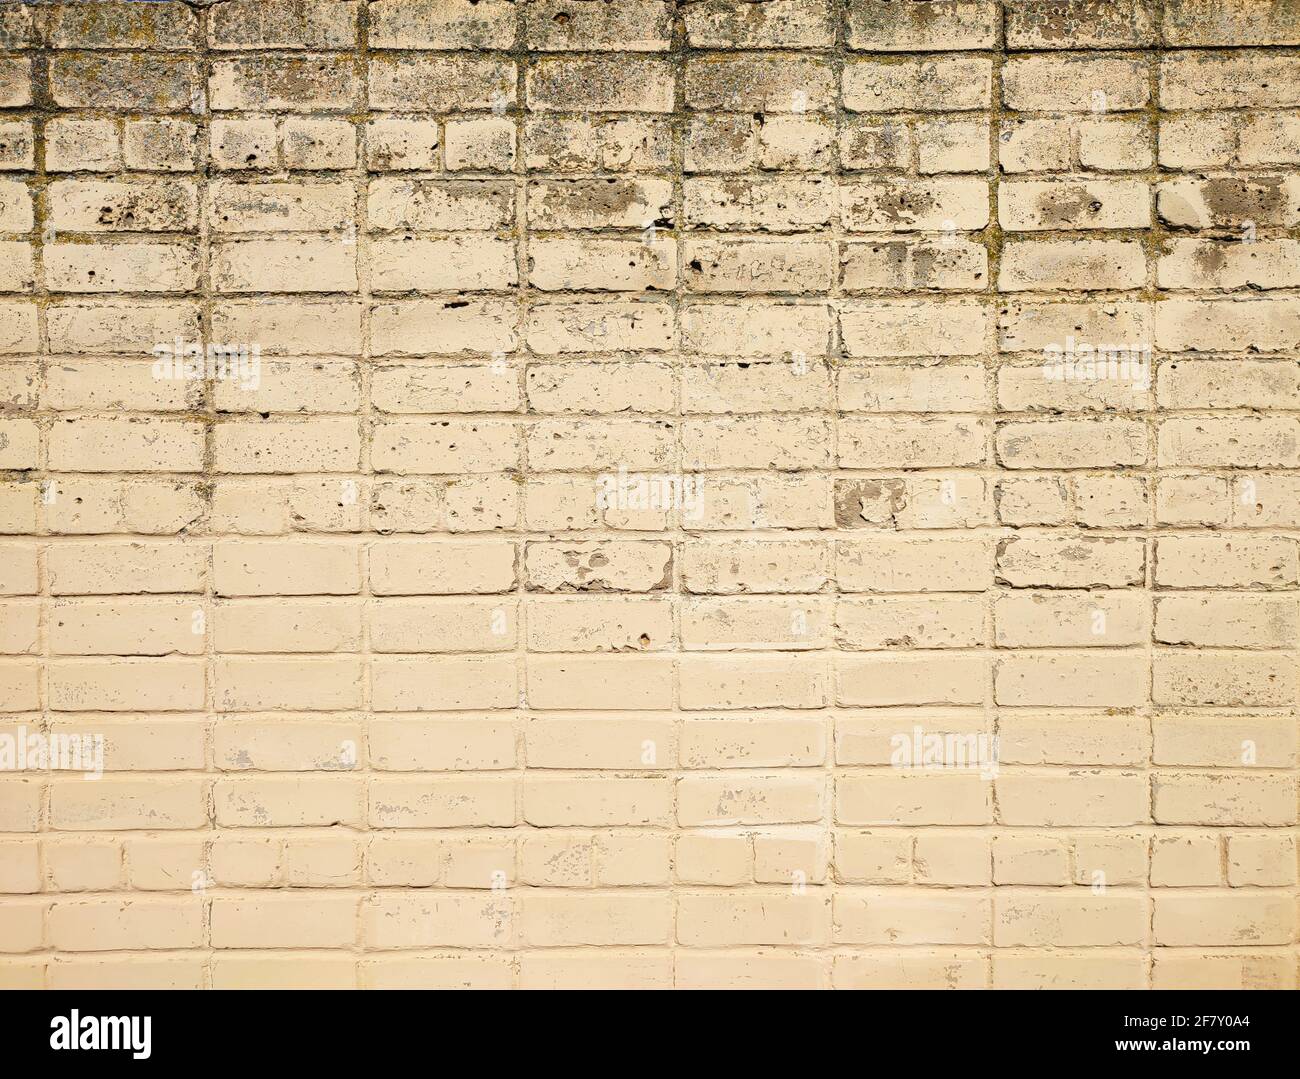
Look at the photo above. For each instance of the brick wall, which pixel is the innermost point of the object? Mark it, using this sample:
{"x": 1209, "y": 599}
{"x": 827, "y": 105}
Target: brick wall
{"x": 627, "y": 493}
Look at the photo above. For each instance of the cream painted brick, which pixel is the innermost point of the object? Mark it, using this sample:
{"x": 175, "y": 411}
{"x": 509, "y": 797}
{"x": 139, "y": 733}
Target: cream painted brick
{"x": 903, "y": 916}
{"x": 1187, "y": 860}
{"x": 450, "y": 802}
{"x": 287, "y": 801}
{"x": 283, "y": 921}
{"x": 914, "y": 798}
{"x": 1267, "y": 800}
{"x": 138, "y": 924}
{"x": 1038, "y": 205}
{"x": 939, "y": 84}
{"x": 919, "y": 968}
{"x": 1061, "y": 738}
{"x": 907, "y": 564}
{"x": 1057, "y": 680}
{"x": 1046, "y": 83}
{"x": 872, "y": 858}
{"x": 594, "y": 801}
{"x": 1083, "y": 798}
{"x": 629, "y": 744}
{"x": 603, "y": 682}
{"x": 442, "y": 683}
{"x": 1088, "y": 920}
{"x": 950, "y": 859}
{"x": 713, "y": 919}
{"x": 283, "y": 265}
{"x": 1192, "y": 969}
{"x": 1261, "y": 859}
{"x": 392, "y": 695}
{"x": 1217, "y": 919}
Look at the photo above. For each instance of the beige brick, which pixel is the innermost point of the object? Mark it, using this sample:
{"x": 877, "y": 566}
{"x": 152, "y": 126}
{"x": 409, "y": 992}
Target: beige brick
{"x": 912, "y": 798}
{"x": 1046, "y": 83}
{"x": 1087, "y": 968}
{"x": 1266, "y": 800}
{"x": 1192, "y": 969}
{"x": 910, "y": 917}
{"x": 713, "y": 919}
{"x": 283, "y": 265}
{"x": 908, "y": 564}
{"x": 283, "y": 921}
{"x": 1214, "y": 562}
{"x": 595, "y": 801}
{"x": 138, "y": 924}
{"x": 1186, "y": 860}
{"x": 122, "y": 81}
{"x": 117, "y": 25}
{"x": 787, "y": 23}
{"x": 242, "y": 24}
{"x": 1216, "y": 919}
{"x": 628, "y": 744}
{"x": 122, "y": 804}
{"x": 441, "y": 971}
{"x": 912, "y": 968}
{"x": 440, "y": 24}
{"x": 940, "y": 84}
{"x": 568, "y": 682}
{"x": 1037, "y": 205}
{"x": 947, "y": 858}
{"x": 1074, "y": 798}
{"x": 1061, "y": 738}
{"x": 281, "y": 972}
{"x": 1261, "y": 859}
{"x": 615, "y": 969}
{"x": 654, "y": 428}
{"x": 443, "y": 683}
{"x": 569, "y": 920}
{"x": 627, "y": 84}
{"x": 159, "y": 145}
{"x": 706, "y": 802}
{"x": 287, "y": 801}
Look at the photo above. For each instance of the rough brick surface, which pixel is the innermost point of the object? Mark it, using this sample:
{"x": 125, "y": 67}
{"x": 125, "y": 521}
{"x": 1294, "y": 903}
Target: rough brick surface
{"x": 495, "y": 492}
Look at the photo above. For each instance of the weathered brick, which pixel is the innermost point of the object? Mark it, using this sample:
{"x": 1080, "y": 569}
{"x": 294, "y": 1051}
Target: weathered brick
{"x": 656, "y": 419}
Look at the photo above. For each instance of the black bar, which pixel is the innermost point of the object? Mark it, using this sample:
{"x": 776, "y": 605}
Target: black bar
{"x": 335, "y": 1029}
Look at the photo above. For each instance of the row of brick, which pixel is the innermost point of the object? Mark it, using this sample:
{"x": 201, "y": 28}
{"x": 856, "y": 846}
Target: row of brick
{"x": 882, "y": 967}
{"x": 650, "y": 385}
{"x": 647, "y": 25}
{"x": 484, "y": 325}
{"x": 145, "y": 626}
{"x": 447, "y": 682}
{"x": 880, "y": 563}
{"x": 388, "y": 920}
{"x": 714, "y": 142}
{"x": 766, "y": 203}
{"x": 653, "y": 741}
{"x": 466, "y": 446}
{"x": 487, "y": 263}
{"x": 339, "y": 82}
{"x": 735, "y": 857}
{"x": 1044, "y": 797}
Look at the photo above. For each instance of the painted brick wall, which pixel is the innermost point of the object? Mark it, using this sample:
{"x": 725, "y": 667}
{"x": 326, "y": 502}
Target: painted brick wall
{"x": 561, "y": 493}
